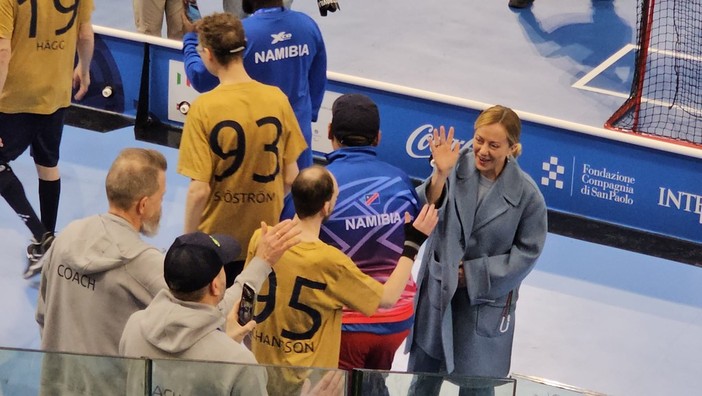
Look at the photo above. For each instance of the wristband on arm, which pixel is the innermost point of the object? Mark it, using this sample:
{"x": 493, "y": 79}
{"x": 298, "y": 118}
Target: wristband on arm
{"x": 413, "y": 240}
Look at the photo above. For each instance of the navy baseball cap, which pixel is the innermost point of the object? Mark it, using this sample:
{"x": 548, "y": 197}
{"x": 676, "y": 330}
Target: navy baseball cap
{"x": 355, "y": 115}
{"x": 195, "y": 259}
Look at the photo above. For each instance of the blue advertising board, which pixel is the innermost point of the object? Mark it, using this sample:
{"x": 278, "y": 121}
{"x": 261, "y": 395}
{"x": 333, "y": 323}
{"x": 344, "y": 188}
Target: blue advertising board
{"x": 115, "y": 74}
{"x": 621, "y": 183}
{"x": 578, "y": 173}
{"x": 591, "y": 172}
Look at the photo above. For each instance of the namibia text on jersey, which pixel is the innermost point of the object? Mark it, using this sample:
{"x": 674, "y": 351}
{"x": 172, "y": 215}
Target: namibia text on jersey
{"x": 291, "y": 51}
{"x": 355, "y": 223}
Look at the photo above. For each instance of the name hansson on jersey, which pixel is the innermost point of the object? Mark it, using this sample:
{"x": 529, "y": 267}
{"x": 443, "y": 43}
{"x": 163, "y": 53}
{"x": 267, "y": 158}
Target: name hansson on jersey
{"x": 355, "y": 223}
{"x": 284, "y": 344}
{"x": 290, "y": 51}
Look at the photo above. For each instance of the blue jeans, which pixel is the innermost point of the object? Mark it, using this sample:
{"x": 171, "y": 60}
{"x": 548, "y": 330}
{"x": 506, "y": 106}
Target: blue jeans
{"x": 421, "y": 362}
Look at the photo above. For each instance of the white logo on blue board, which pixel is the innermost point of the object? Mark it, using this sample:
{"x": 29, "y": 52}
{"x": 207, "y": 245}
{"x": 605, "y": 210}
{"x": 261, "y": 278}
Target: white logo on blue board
{"x": 680, "y": 200}
{"x": 282, "y": 36}
{"x": 417, "y": 145}
{"x": 554, "y": 173}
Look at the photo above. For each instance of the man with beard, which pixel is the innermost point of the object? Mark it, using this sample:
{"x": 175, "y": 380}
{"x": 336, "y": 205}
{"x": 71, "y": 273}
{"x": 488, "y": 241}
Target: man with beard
{"x": 99, "y": 271}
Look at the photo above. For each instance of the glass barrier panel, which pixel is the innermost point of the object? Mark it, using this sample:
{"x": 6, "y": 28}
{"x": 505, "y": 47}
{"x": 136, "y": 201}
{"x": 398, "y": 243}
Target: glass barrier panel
{"x": 534, "y": 386}
{"x": 187, "y": 377}
{"x": 28, "y": 372}
{"x": 391, "y": 383}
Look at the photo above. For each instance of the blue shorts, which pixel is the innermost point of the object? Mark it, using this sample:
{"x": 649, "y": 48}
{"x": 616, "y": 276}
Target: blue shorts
{"x": 41, "y": 132}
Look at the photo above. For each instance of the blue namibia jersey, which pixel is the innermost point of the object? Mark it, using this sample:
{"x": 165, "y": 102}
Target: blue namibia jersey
{"x": 285, "y": 48}
{"x": 368, "y": 225}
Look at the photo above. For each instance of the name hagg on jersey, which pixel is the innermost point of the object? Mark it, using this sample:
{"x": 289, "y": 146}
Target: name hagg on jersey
{"x": 291, "y": 51}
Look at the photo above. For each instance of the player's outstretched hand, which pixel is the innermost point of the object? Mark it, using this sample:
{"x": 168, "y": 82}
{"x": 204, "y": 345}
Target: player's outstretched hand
{"x": 416, "y": 233}
{"x": 277, "y": 239}
{"x": 426, "y": 220}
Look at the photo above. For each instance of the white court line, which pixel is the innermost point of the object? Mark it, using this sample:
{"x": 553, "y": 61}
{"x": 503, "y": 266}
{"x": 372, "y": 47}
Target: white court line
{"x": 582, "y": 83}
{"x": 660, "y": 103}
{"x": 674, "y": 54}
{"x": 604, "y": 91}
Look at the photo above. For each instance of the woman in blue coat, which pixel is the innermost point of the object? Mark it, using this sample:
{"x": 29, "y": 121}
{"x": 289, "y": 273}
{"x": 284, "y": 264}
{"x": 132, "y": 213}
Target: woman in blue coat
{"x": 492, "y": 228}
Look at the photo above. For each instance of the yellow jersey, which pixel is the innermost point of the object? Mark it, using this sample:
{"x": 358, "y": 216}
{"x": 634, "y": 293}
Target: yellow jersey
{"x": 239, "y": 138}
{"x": 43, "y": 36}
{"x": 299, "y": 309}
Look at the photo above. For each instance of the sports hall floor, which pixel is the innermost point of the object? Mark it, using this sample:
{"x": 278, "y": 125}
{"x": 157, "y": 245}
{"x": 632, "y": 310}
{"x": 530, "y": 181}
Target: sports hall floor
{"x": 593, "y": 316}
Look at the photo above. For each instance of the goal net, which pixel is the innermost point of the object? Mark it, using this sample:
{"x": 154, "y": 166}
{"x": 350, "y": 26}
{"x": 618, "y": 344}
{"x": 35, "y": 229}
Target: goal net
{"x": 666, "y": 94}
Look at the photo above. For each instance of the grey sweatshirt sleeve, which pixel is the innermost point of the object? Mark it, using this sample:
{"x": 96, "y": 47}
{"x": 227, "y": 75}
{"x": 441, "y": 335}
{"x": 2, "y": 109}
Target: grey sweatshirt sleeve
{"x": 255, "y": 273}
{"x": 43, "y": 285}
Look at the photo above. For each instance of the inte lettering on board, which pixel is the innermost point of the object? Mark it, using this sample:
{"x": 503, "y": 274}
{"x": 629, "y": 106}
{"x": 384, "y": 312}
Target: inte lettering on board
{"x": 680, "y": 200}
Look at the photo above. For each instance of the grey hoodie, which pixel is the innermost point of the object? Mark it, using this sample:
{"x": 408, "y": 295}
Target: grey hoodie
{"x": 96, "y": 274}
{"x": 173, "y": 329}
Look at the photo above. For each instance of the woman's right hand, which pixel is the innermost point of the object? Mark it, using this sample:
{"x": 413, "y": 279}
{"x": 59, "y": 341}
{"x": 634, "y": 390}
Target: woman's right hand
{"x": 444, "y": 152}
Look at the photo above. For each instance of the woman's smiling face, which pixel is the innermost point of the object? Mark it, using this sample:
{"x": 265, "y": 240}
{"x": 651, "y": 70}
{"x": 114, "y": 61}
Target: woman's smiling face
{"x": 491, "y": 149}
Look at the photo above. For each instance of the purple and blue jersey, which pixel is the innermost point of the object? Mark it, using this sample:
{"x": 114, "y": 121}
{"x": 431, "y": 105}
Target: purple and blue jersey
{"x": 368, "y": 225}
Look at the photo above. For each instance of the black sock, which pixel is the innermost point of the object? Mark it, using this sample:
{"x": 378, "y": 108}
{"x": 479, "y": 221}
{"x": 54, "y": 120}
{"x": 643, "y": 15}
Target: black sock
{"x": 11, "y": 189}
{"x": 49, "y": 193}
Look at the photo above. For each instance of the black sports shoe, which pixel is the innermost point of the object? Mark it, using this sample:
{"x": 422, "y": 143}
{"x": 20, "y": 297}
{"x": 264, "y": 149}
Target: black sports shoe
{"x": 520, "y": 3}
{"x": 35, "y": 251}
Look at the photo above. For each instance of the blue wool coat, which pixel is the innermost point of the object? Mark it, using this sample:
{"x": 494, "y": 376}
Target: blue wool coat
{"x": 499, "y": 244}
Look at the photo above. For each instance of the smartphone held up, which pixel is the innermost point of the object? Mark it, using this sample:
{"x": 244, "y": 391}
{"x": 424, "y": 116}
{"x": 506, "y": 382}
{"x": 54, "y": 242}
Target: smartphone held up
{"x": 246, "y": 306}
